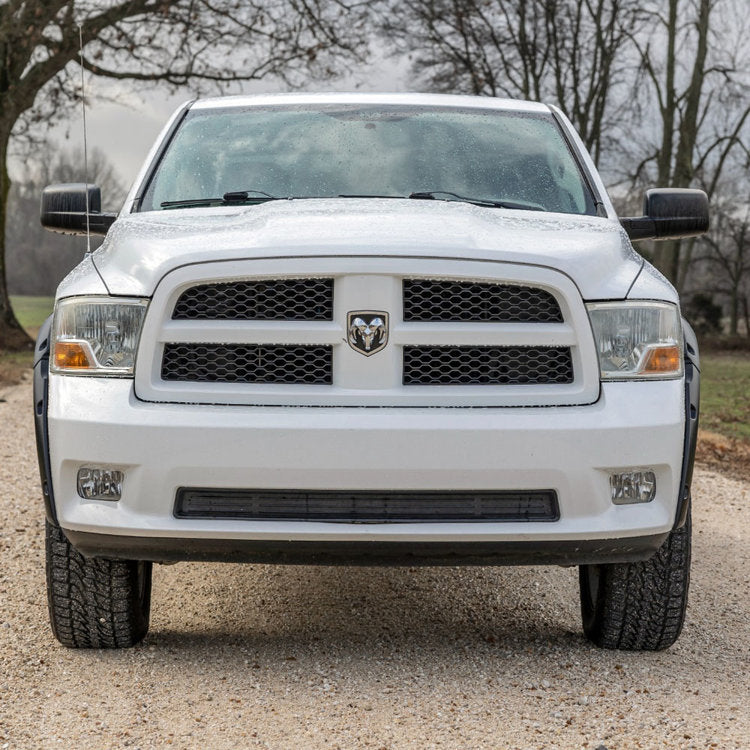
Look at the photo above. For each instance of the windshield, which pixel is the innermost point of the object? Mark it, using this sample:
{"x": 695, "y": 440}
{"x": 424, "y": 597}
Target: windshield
{"x": 254, "y": 154}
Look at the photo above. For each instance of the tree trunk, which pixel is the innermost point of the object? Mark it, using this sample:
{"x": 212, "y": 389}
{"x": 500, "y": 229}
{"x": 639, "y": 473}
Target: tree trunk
{"x": 734, "y": 309}
{"x": 685, "y": 264}
{"x": 680, "y": 114}
{"x": 12, "y": 335}
{"x": 667, "y": 253}
{"x": 667, "y": 259}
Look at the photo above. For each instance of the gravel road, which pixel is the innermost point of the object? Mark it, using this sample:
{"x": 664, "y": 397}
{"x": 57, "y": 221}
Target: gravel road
{"x": 307, "y": 657}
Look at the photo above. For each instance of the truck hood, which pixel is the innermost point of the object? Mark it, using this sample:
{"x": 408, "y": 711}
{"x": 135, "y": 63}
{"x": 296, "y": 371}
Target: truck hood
{"x": 141, "y": 248}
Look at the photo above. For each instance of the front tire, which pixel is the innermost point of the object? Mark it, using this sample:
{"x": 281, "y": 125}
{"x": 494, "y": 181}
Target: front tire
{"x": 638, "y": 606}
{"x": 95, "y": 603}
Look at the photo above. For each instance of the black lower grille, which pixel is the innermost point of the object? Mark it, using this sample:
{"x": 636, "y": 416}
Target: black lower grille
{"x": 367, "y": 506}
{"x": 487, "y": 365}
{"x": 247, "y": 363}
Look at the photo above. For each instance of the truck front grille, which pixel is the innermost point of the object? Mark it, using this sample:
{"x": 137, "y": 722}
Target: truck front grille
{"x": 487, "y": 365}
{"x": 247, "y": 363}
{"x": 264, "y": 299}
{"x": 367, "y": 506}
{"x": 428, "y": 300}
{"x": 282, "y": 332}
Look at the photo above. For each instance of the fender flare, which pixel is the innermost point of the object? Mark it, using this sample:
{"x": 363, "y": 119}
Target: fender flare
{"x": 692, "y": 413}
{"x": 41, "y": 394}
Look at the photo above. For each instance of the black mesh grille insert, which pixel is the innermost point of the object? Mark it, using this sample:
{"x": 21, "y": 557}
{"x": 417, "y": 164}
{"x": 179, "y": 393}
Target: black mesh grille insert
{"x": 247, "y": 363}
{"x": 271, "y": 299}
{"x": 367, "y": 506}
{"x": 432, "y": 300}
{"x": 486, "y": 365}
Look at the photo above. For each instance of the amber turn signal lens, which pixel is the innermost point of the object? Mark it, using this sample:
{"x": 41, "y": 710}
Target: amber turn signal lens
{"x": 665, "y": 359}
{"x": 70, "y": 355}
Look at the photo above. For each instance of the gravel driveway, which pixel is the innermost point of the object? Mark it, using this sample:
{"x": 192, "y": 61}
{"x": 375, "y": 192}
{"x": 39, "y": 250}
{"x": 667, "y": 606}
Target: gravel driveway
{"x": 308, "y": 657}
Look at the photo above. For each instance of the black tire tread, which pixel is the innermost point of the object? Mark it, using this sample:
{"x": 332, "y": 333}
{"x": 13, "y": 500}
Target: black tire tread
{"x": 95, "y": 603}
{"x": 641, "y": 606}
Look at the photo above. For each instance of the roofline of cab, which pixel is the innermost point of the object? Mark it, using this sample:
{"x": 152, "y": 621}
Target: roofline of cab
{"x": 447, "y": 100}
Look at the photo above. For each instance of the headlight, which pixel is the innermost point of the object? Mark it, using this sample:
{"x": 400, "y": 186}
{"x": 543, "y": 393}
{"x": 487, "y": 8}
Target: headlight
{"x": 96, "y": 335}
{"x": 637, "y": 339}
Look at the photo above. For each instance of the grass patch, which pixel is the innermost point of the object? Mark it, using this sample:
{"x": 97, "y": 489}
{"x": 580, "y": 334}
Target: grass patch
{"x": 31, "y": 312}
{"x": 725, "y": 394}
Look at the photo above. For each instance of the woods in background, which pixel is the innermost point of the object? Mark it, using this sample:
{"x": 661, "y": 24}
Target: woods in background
{"x": 158, "y": 42}
{"x": 37, "y": 260}
{"x": 658, "y": 89}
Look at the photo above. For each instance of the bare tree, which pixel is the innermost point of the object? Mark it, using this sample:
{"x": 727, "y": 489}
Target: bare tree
{"x": 150, "y": 41}
{"x": 568, "y": 52}
{"x": 691, "y": 102}
{"x": 658, "y": 89}
{"x": 728, "y": 253}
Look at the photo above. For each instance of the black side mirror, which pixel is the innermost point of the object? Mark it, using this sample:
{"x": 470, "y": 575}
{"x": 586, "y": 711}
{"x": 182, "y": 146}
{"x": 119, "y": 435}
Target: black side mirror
{"x": 669, "y": 214}
{"x": 63, "y": 209}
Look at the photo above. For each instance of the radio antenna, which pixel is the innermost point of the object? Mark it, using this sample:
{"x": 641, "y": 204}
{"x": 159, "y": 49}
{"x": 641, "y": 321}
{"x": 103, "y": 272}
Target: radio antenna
{"x": 85, "y": 142}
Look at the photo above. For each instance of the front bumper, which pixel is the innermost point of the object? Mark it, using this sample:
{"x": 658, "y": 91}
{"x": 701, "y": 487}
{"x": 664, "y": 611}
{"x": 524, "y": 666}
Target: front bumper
{"x": 162, "y": 447}
{"x": 544, "y": 552}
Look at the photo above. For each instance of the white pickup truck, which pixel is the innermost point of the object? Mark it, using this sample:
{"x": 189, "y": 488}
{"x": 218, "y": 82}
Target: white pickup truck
{"x": 368, "y": 329}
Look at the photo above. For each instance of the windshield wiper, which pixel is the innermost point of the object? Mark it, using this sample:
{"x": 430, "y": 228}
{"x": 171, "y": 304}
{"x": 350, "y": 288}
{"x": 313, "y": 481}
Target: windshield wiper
{"x": 253, "y": 197}
{"x": 433, "y": 195}
{"x": 189, "y": 202}
{"x": 228, "y": 199}
{"x": 240, "y": 196}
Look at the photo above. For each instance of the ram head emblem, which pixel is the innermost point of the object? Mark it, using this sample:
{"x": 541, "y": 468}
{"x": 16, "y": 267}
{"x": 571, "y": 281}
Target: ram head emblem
{"x": 367, "y": 331}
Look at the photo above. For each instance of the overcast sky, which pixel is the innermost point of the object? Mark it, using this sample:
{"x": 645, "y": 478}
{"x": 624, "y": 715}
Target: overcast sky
{"x": 126, "y": 130}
